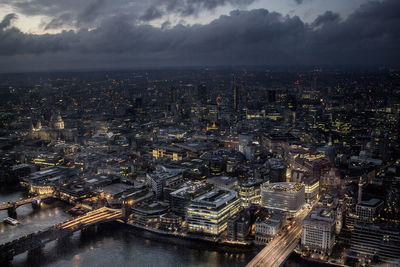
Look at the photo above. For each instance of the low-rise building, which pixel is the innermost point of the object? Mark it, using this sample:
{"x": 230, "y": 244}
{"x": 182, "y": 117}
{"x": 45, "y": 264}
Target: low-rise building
{"x": 168, "y": 152}
{"x": 239, "y": 226}
{"x": 170, "y": 222}
{"x": 149, "y": 214}
{"x": 224, "y": 182}
{"x": 48, "y": 179}
{"x": 265, "y": 229}
{"x": 182, "y": 197}
{"x": 162, "y": 177}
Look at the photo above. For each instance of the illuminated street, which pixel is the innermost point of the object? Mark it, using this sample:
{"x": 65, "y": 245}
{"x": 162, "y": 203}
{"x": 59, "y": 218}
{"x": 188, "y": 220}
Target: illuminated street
{"x": 278, "y": 249}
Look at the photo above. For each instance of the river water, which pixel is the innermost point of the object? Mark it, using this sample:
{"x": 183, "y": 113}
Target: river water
{"x": 113, "y": 244}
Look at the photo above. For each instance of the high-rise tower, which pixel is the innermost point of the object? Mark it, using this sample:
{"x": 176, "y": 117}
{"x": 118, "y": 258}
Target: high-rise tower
{"x": 172, "y": 95}
{"x": 202, "y": 93}
{"x": 171, "y": 105}
{"x": 234, "y": 93}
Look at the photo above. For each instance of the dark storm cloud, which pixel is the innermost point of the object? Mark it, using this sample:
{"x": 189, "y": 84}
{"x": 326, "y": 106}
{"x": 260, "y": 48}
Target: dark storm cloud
{"x": 58, "y": 22}
{"x": 368, "y": 36}
{"x": 6, "y": 22}
{"x": 299, "y": 1}
{"x": 327, "y": 17}
{"x": 190, "y": 7}
{"x": 151, "y": 14}
{"x": 70, "y": 13}
{"x": 90, "y": 13}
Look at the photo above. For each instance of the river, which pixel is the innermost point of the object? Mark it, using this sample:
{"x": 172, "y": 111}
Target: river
{"x": 113, "y": 244}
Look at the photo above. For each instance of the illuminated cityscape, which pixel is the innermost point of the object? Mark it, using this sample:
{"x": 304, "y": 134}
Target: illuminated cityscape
{"x": 200, "y": 133}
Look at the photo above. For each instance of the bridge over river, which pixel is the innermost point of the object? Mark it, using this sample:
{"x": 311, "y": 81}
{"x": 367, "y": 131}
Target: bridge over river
{"x": 38, "y": 239}
{"x": 12, "y": 206}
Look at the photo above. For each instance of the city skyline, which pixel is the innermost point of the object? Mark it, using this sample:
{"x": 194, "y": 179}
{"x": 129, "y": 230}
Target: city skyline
{"x": 200, "y": 133}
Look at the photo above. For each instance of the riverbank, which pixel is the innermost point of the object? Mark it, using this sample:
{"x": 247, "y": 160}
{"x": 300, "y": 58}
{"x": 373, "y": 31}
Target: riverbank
{"x": 207, "y": 241}
{"x": 310, "y": 259}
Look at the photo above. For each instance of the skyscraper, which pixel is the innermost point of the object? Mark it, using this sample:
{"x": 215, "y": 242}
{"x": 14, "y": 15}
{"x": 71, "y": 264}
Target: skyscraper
{"x": 171, "y": 105}
{"x": 172, "y": 95}
{"x": 202, "y": 93}
{"x": 234, "y": 93}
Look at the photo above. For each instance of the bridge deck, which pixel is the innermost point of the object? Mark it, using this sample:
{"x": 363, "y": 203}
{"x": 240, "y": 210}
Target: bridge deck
{"x": 24, "y": 201}
{"x": 278, "y": 250}
{"x": 34, "y": 240}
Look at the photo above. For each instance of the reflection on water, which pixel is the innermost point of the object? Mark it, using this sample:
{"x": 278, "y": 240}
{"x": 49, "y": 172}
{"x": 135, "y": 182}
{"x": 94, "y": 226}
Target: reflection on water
{"x": 31, "y": 220}
{"x": 117, "y": 245}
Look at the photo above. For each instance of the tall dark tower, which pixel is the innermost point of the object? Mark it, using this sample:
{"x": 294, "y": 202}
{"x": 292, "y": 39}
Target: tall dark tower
{"x": 171, "y": 99}
{"x": 172, "y": 95}
{"x": 234, "y": 93}
{"x": 202, "y": 93}
{"x": 314, "y": 83}
{"x": 271, "y": 95}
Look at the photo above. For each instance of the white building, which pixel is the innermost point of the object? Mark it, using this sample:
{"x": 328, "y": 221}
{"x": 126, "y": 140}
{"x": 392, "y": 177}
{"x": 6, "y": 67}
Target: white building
{"x": 209, "y": 213}
{"x": 264, "y": 230}
{"x": 319, "y": 231}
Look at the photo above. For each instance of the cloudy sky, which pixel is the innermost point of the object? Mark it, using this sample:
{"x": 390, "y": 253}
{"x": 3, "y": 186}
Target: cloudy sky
{"x": 85, "y": 34}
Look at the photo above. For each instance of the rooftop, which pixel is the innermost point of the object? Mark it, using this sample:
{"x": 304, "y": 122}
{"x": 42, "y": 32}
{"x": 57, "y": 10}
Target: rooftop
{"x": 373, "y": 202}
{"x": 284, "y": 186}
{"x": 216, "y": 197}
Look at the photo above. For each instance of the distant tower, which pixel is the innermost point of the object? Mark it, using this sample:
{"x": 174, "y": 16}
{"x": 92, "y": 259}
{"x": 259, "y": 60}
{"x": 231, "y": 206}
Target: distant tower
{"x": 271, "y": 95}
{"x": 171, "y": 98}
{"x": 234, "y": 93}
{"x": 202, "y": 93}
{"x": 172, "y": 95}
{"x": 314, "y": 83}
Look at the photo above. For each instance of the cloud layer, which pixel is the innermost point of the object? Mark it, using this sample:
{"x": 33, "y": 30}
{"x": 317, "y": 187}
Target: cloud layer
{"x": 368, "y": 36}
{"x": 90, "y": 13}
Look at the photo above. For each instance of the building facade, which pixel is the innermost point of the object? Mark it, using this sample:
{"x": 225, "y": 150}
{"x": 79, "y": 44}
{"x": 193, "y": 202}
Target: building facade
{"x": 210, "y": 212}
{"x": 376, "y": 243}
{"x": 250, "y": 192}
{"x": 288, "y": 197}
{"x": 318, "y": 232}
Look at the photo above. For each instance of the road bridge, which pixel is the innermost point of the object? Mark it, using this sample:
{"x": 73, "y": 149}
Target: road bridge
{"x": 278, "y": 249}
{"x": 12, "y": 206}
{"x": 39, "y": 239}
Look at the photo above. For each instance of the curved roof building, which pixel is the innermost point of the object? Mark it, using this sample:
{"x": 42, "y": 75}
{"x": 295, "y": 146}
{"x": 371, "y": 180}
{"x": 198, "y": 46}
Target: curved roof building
{"x": 288, "y": 197}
